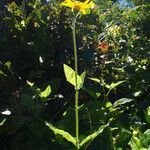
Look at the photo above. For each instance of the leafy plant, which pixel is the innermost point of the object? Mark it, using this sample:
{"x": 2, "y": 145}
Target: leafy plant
{"x": 37, "y": 75}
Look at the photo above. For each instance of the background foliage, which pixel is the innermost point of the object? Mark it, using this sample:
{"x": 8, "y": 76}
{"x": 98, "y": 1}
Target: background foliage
{"x": 35, "y": 42}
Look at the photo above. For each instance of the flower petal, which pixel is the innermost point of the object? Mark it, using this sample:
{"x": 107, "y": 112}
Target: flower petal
{"x": 83, "y": 11}
{"x": 87, "y": 1}
{"x": 67, "y": 3}
{"x": 77, "y": 5}
{"x": 91, "y": 5}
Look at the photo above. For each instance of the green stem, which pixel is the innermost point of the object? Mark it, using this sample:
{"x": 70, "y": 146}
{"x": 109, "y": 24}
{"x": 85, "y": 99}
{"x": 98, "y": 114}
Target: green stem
{"x": 76, "y": 87}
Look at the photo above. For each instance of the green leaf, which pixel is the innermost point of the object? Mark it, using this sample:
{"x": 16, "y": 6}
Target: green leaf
{"x": 46, "y": 92}
{"x": 63, "y": 133}
{"x": 145, "y": 138}
{"x": 8, "y": 64}
{"x": 2, "y": 73}
{"x": 93, "y": 135}
{"x": 133, "y": 15}
{"x": 83, "y": 76}
{"x": 122, "y": 101}
{"x": 30, "y": 83}
{"x": 95, "y": 79}
{"x": 119, "y": 69}
{"x": 23, "y": 23}
{"x": 70, "y": 76}
{"x": 136, "y": 144}
{"x": 113, "y": 85}
{"x": 43, "y": 94}
{"x": 110, "y": 87}
{"x": 136, "y": 94}
{"x": 108, "y": 104}
{"x": 147, "y": 115}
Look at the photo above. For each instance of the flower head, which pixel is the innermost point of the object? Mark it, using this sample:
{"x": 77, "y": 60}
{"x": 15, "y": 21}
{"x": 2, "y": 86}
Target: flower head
{"x": 77, "y": 5}
{"x": 103, "y": 47}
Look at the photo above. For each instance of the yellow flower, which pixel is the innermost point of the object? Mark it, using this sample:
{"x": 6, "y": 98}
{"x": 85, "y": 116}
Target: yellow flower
{"x": 77, "y": 5}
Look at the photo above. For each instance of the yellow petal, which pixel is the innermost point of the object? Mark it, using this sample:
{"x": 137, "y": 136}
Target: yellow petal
{"x": 87, "y": 1}
{"x": 91, "y": 5}
{"x": 67, "y": 3}
{"x": 77, "y": 5}
{"x": 83, "y": 11}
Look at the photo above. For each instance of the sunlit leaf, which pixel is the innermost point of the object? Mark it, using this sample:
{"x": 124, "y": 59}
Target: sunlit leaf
{"x": 46, "y": 92}
{"x": 95, "y": 79}
{"x": 137, "y": 93}
{"x": 93, "y": 135}
{"x": 136, "y": 144}
{"x": 70, "y": 76}
{"x": 108, "y": 104}
{"x": 102, "y": 82}
{"x": 122, "y": 101}
{"x": 119, "y": 70}
{"x": 113, "y": 85}
{"x": 30, "y": 83}
{"x": 63, "y": 133}
{"x": 23, "y": 23}
{"x": 83, "y": 76}
{"x": 8, "y": 64}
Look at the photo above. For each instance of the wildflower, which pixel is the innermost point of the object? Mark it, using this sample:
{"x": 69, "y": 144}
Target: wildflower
{"x": 103, "y": 47}
{"x": 77, "y": 5}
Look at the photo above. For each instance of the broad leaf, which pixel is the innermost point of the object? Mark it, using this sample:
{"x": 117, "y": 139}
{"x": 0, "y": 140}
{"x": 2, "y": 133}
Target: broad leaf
{"x": 136, "y": 144}
{"x": 93, "y": 135}
{"x": 70, "y": 76}
{"x": 63, "y": 133}
{"x": 145, "y": 138}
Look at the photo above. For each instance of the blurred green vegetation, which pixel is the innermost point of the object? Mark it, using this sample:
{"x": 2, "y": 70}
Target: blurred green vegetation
{"x": 35, "y": 42}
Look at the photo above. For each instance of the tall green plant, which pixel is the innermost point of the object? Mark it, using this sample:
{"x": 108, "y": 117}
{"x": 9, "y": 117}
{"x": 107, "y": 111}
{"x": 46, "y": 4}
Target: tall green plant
{"x": 81, "y": 7}
{"x": 73, "y": 77}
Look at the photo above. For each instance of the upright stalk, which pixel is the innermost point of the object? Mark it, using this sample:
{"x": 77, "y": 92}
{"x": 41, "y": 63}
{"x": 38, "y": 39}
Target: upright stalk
{"x": 76, "y": 82}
